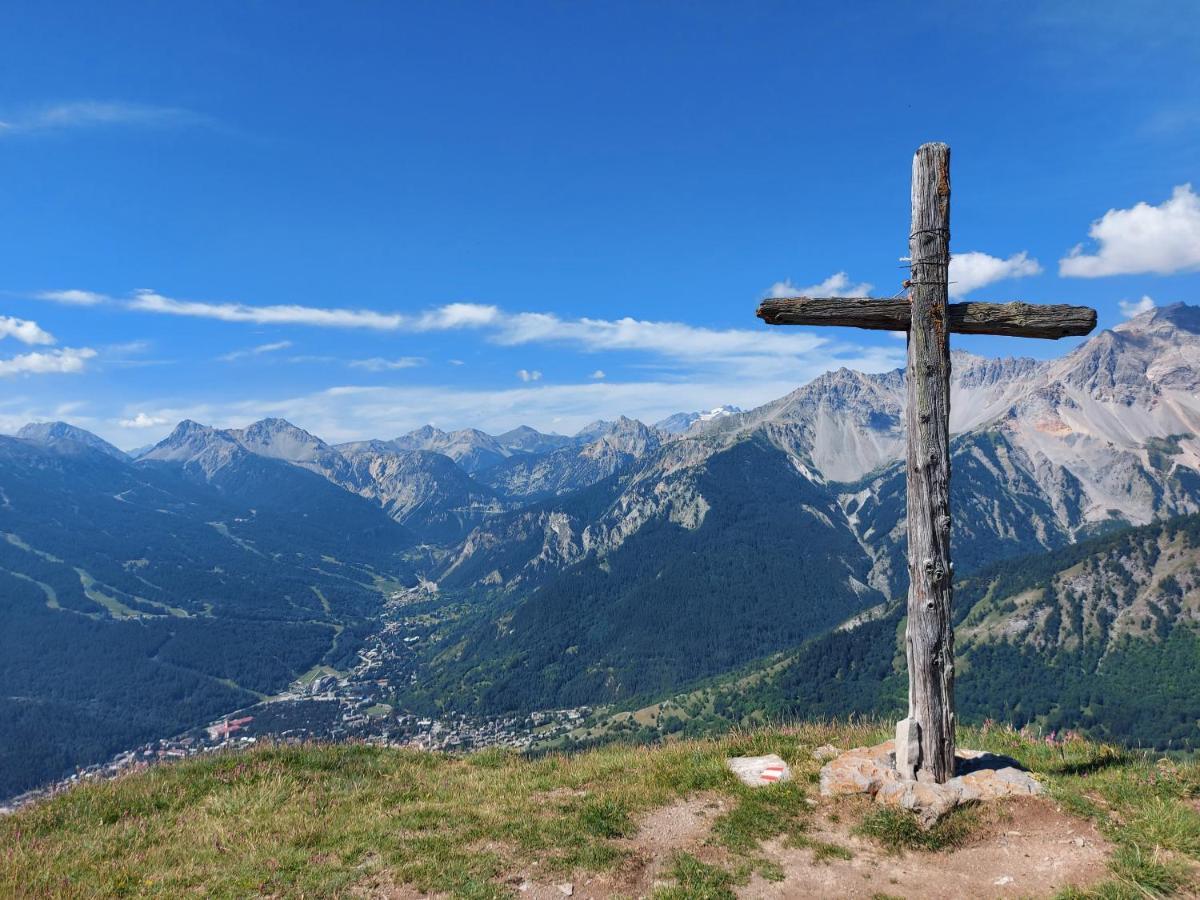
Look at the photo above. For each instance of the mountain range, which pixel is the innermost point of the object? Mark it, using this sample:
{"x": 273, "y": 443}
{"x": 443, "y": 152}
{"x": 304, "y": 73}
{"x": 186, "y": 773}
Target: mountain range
{"x": 623, "y": 562}
{"x": 1099, "y": 636}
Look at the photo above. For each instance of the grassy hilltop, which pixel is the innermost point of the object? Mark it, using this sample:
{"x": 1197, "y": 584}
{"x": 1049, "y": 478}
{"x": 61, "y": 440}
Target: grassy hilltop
{"x": 666, "y": 821}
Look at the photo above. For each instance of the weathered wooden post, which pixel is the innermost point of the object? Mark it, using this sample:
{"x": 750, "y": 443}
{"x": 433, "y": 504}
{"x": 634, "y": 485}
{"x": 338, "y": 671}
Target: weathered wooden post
{"x": 925, "y": 738}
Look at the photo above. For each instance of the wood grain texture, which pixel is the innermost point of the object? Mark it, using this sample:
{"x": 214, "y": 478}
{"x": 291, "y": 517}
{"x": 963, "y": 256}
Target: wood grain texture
{"x": 930, "y": 637}
{"x": 1014, "y": 319}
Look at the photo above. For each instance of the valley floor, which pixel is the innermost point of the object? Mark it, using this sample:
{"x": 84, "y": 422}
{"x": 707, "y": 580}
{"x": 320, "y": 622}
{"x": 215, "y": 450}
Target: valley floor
{"x": 666, "y": 822}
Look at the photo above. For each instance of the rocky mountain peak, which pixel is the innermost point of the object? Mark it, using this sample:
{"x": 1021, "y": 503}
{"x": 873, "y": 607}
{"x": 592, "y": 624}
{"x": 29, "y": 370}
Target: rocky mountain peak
{"x": 209, "y": 448}
{"x": 626, "y": 435}
{"x": 186, "y": 432}
{"x": 423, "y": 434}
{"x": 471, "y": 448}
{"x": 51, "y": 433}
{"x": 1135, "y": 361}
{"x": 1164, "y": 321}
{"x": 524, "y": 439}
{"x": 281, "y": 439}
{"x": 968, "y": 370}
{"x": 681, "y": 421}
{"x": 593, "y": 430}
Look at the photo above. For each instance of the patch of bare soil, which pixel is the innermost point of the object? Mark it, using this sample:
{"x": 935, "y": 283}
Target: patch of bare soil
{"x": 382, "y": 886}
{"x": 1031, "y": 849}
{"x": 683, "y": 825}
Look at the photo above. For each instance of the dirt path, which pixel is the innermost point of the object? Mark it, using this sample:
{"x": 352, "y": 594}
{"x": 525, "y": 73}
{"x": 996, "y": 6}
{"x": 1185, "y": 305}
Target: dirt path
{"x": 1035, "y": 851}
{"x": 1031, "y": 850}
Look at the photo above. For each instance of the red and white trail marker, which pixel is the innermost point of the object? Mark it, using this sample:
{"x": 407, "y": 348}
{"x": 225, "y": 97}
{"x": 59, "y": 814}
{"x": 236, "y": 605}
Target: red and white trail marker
{"x": 757, "y": 771}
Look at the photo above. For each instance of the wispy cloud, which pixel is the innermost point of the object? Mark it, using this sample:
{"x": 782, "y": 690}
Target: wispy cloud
{"x": 144, "y": 420}
{"x": 65, "y": 361}
{"x": 254, "y": 351}
{"x": 1131, "y": 308}
{"x": 683, "y": 350}
{"x": 83, "y": 114}
{"x": 24, "y": 330}
{"x": 836, "y": 285}
{"x": 527, "y": 375}
{"x": 1157, "y": 239}
{"x": 149, "y": 301}
{"x": 672, "y": 340}
{"x": 598, "y": 374}
{"x": 450, "y": 316}
{"x": 379, "y": 364}
{"x": 73, "y": 297}
{"x": 972, "y": 270}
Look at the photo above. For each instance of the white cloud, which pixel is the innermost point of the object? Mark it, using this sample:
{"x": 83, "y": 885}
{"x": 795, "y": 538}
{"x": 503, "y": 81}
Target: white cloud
{"x": 1131, "y": 308}
{"x": 142, "y": 420}
{"x": 94, "y": 114}
{"x": 127, "y": 348}
{"x": 450, "y": 316}
{"x": 23, "y": 330}
{"x": 255, "y": 351}
{"x": 674, "y": 340}
{"x": 73, "y": 297}
{"x": 456, "y": 315}
{"x": 149, "y": 301}
{"x": 973, "y": 269}
{"x": 526, "y": 375}
{"x": 379, "y": 364}
{"x": 66, "y": 360}
{"x": 836, "y": 285}
{"x": 598, "y": 374}
{"x": 1158, "y": 239}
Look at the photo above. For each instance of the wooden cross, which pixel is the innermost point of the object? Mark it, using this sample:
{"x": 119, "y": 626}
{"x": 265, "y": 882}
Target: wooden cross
{"x": 925, "y": 739}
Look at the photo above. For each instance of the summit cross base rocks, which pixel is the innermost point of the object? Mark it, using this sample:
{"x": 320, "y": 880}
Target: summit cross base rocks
{"x": 873, "y": 771}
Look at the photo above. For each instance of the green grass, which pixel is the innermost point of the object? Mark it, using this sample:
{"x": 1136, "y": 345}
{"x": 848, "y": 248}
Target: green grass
{"x": 761, "y": 814}
{"x": 695, "y": 880}
{"x": 332, "y": 820}
{"x": 898, "y": 829}
{"x": 822, "y": 851}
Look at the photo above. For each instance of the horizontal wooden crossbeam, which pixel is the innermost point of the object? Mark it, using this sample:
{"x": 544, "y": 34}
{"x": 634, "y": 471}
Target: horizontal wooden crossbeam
{"x": 1012, "y": 319}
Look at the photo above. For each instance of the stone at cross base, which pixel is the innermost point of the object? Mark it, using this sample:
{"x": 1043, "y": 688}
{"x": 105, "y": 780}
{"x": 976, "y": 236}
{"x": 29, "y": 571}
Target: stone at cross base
{"x": 925, "y": 740}
{"x": 873, "y": 771}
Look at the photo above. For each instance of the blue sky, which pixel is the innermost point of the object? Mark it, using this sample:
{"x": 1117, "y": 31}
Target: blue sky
{"x": 364, "y": 217}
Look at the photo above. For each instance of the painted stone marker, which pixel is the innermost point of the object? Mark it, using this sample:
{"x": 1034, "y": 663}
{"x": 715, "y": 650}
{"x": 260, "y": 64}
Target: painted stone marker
{"x": 759, "y": 771}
